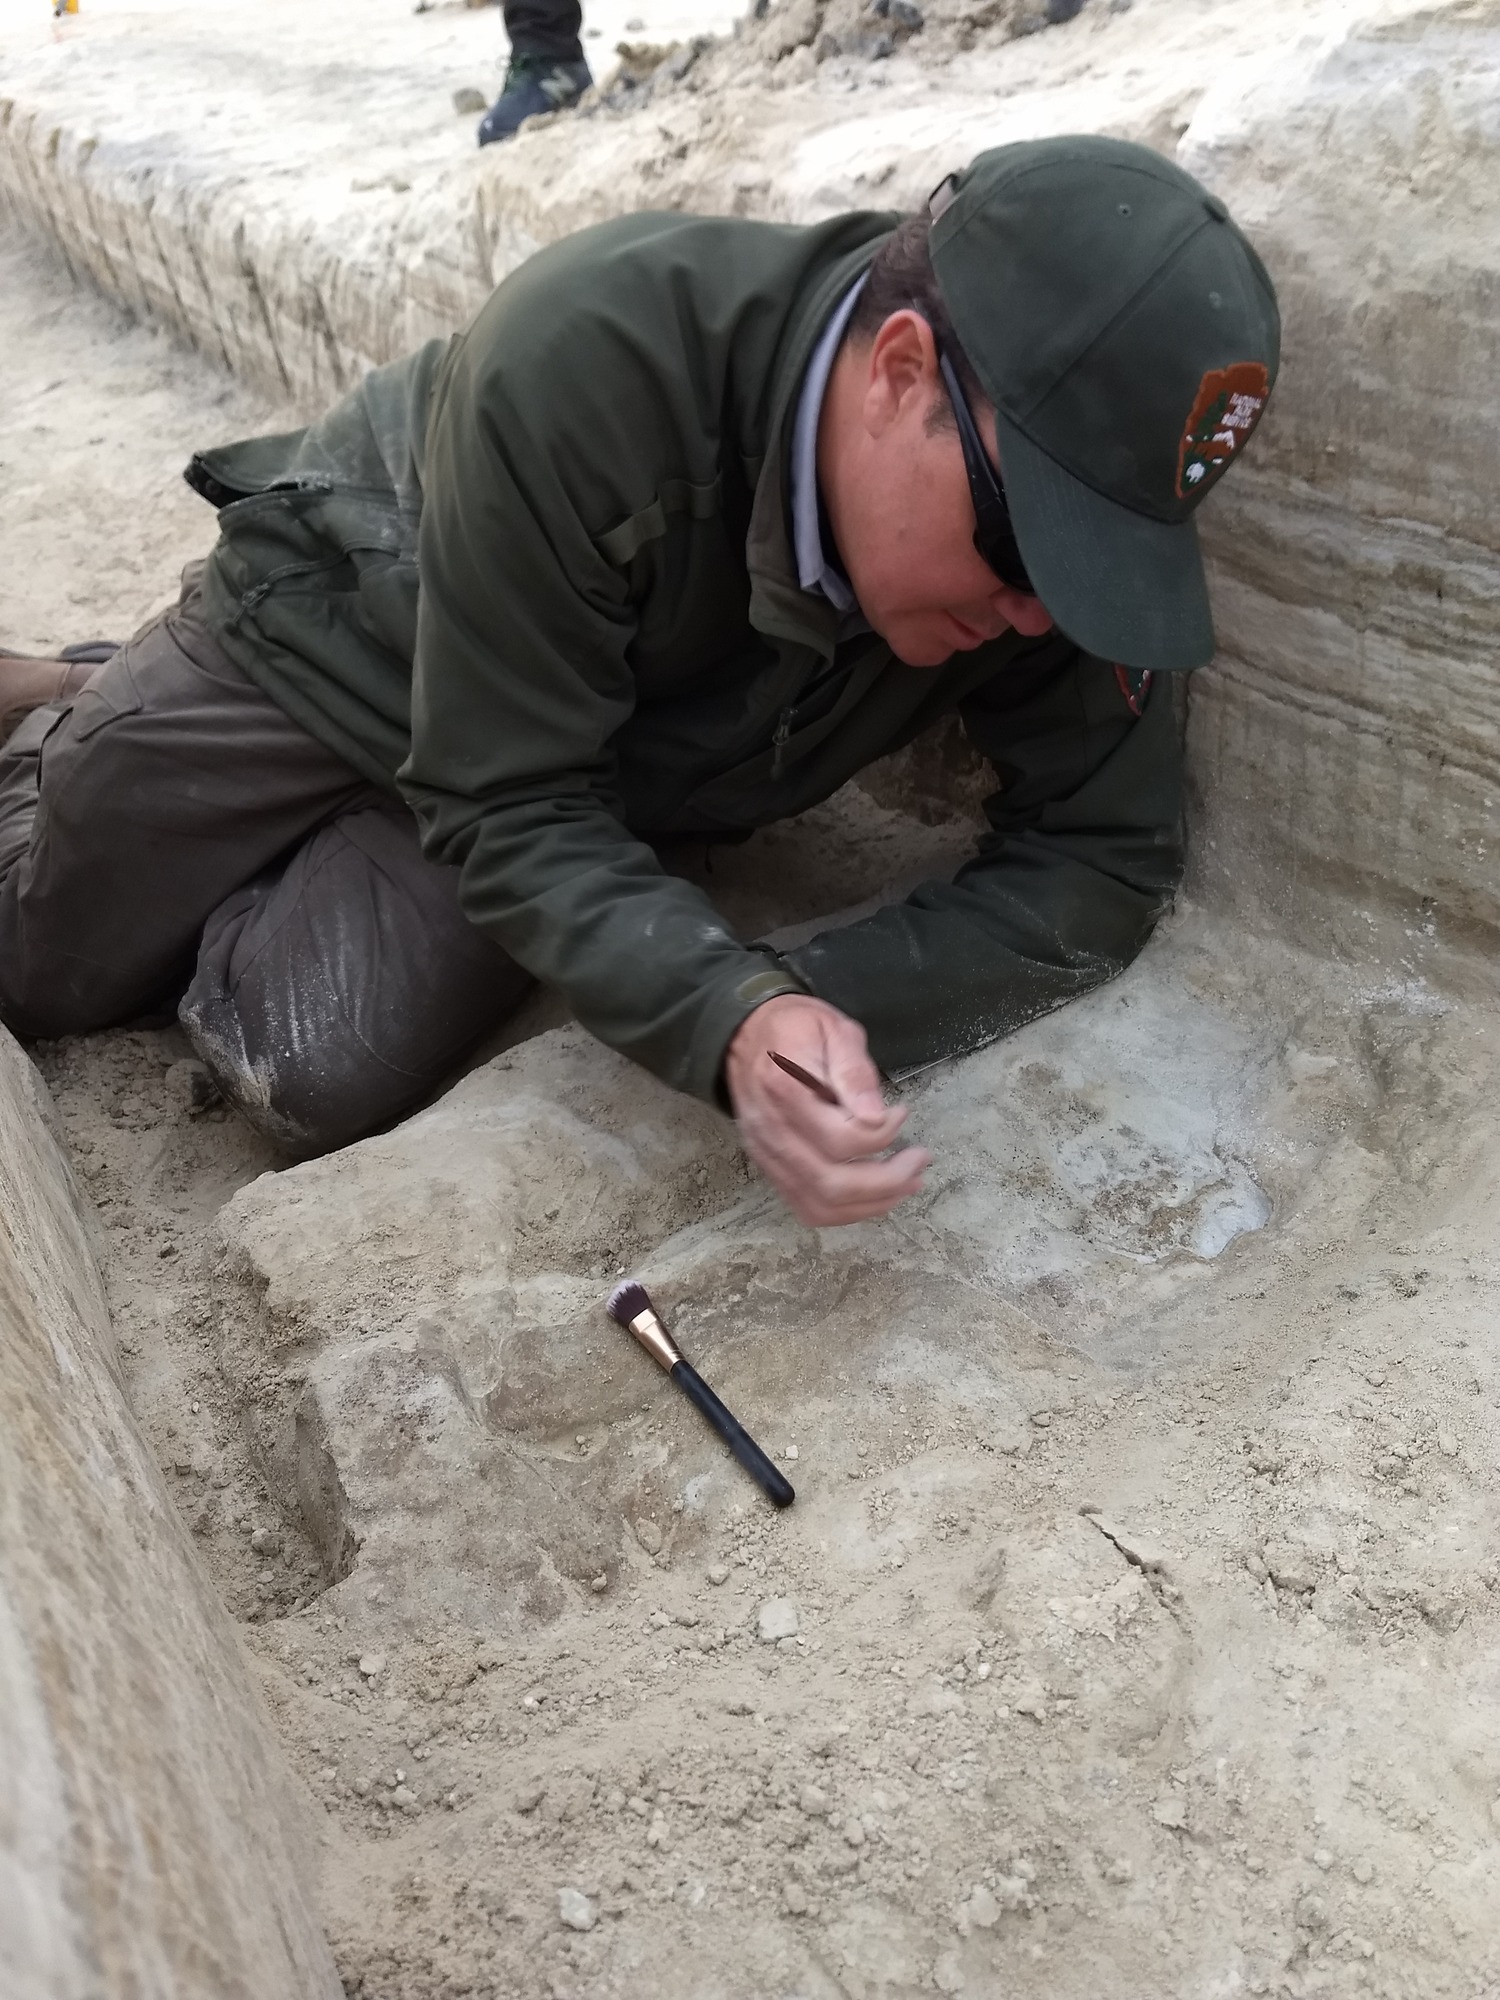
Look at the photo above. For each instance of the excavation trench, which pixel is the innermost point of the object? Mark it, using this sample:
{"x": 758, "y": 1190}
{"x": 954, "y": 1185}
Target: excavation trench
{"x": 1135, "y": 1626}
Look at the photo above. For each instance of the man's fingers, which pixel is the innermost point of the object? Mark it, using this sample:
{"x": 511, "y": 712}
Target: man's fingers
{"x": 824, "y": 1159}
{"x": 834, "y": 1130}
{"x": 857, "y": 1192}
{"x": 823, "y": 1192}
{"x": 852, "y": 1074}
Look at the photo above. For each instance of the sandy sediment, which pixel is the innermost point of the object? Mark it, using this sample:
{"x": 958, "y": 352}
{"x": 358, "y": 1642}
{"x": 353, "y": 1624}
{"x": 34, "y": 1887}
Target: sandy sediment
{"x": 1134, "y": 1630}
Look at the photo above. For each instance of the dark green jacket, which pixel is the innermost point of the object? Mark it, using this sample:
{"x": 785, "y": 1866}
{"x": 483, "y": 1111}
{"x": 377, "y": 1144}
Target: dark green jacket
{"x": 609, "y": 647}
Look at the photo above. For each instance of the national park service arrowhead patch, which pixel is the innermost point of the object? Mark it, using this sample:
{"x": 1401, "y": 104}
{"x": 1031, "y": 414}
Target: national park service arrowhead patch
{"x": 1225, "y": 411}
{"x": 1135, "y": 684}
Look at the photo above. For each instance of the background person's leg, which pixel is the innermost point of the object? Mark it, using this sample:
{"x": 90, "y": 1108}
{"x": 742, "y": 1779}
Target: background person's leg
{"x": 547, "y": 69}
{"x": 335, "y": 992}
{"x": 127, "y": 817}
{"x": 546, "y": 28}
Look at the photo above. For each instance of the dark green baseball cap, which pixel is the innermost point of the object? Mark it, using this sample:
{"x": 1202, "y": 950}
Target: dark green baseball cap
{"x": 1128, "y": 337}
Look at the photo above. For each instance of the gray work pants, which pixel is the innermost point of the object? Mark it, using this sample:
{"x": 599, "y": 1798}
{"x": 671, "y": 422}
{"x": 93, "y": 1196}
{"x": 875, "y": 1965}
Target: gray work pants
{"x": 172, "y": 828}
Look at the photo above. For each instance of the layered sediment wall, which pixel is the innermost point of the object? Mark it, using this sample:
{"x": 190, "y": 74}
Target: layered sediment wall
{"x": 148, "y": 1837}
{"x": 1346, "y": 742}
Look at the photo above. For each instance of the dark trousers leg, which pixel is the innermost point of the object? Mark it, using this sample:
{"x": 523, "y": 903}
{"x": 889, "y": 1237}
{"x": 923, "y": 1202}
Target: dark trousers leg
{"x": 174, "y": 805}
{"x": 545, "y": 28}
{"x": 334, "y": 993}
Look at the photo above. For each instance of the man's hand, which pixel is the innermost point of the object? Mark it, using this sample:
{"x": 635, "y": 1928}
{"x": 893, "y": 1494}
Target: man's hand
{"x": 819, "y": 1157}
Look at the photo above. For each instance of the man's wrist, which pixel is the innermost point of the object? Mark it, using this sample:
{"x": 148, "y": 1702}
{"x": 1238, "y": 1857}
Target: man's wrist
{"x": 774, "y": 983}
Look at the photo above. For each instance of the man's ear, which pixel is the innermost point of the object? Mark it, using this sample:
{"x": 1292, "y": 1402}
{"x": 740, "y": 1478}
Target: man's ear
{"x": 902, "y": 371}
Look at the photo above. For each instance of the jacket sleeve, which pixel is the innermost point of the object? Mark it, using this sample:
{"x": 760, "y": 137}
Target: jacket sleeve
{"x": 1082, "y": 855}
{"x": 520, "y": 682}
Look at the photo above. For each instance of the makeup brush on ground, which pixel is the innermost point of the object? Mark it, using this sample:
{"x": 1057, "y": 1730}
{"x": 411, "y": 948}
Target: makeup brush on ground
{"x": 631, "y": 1306}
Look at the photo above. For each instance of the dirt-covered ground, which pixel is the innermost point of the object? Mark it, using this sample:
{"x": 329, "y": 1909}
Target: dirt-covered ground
{"x": 1172, "y": 1669}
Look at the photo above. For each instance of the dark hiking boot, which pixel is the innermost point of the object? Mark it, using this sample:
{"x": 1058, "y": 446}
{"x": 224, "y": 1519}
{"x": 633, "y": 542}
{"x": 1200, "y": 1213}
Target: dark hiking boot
{"x": 533, "y": 84}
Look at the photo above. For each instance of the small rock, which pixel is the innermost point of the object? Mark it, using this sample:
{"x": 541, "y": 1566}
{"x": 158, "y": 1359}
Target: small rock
{"x": 790, "y": 1453}
{"x": 854, "y": 1832}
{"x": 266, "y": 1542}
{"x": 1322, "y": 1859}
{"x": 1031, "y": 1702}
{"x": 688, "y": 1618}
{"x": 980, "y": 1910}
{"x": 1117, "y": 1871}
{"x": 813, "y": 1801}
{"x": 656, "y": 1833}
{"x": 936, "y": 1700}
{"x": 576, "y": 1911}
{"x": 1364, "y": 1874}
{"x": 794, "y": 1899}
{"x": 469, "y": 102}
{"x": 1170, "y": 1812}
{"x": 599, "y": 1584}
{"x": 948, "y": 1974}
{"x": 1447, "y": 1444}
{"x": 718, "y": 1573}
{"x": 649, "y": 1536}
{"x": 1312, "y": 1913}
{"x": 1290, "y": 1568}
{"x": 371, "y": 1665}
{"x": 405, "y": 1798}
{"x": 778, "y": 1618}
{"x": 1013, "y": 1892}
{"x": 529, "y": 1796}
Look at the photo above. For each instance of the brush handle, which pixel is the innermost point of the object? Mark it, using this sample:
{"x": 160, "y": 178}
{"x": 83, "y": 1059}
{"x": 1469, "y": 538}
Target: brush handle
{"x": 734, "y": 1434}
{"x": 815, "y": 1084}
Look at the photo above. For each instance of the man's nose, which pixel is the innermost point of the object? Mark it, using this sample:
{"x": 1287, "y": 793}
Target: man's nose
{"x": 1025, "y": 613}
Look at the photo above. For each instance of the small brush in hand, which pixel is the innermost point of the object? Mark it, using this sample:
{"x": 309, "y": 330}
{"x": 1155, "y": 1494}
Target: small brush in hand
{"x": 816, "y": 1084}
{"x": 631, "y": 1306}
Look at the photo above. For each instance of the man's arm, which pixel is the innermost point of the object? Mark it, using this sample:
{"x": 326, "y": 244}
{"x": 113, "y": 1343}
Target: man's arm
{"x": 522, "y": 678}
{"x": 1083, "y": 853}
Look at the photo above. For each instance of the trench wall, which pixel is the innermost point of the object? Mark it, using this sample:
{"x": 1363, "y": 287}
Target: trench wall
{"x": 148, "y": 1844}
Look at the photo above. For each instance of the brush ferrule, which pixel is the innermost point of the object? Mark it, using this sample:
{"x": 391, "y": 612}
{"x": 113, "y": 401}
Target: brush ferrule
{"x": 657, "y": 1342}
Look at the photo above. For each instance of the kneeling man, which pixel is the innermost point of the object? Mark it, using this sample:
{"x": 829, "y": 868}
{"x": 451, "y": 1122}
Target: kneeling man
{"x": 698, "y": 518}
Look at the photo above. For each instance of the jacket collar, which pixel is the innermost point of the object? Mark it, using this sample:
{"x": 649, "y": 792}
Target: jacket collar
{"x": 779, "y": 606}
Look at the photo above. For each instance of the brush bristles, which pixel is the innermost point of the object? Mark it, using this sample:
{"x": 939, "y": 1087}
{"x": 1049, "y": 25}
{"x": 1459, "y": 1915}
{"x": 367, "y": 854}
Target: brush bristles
{"x": 627, "y": 1302}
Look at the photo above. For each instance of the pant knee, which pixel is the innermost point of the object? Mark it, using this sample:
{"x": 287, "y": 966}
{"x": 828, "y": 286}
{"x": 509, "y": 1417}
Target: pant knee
{"x": 331, "y": 1000}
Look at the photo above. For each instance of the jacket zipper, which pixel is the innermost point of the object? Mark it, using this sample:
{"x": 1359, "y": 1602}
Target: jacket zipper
{"x": 267, "y": 584}
{"x": 779, "y": 740}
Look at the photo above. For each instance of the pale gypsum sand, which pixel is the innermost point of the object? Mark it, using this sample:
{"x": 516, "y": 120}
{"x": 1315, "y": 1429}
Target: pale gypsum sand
{"x": 1239, "y": 1735}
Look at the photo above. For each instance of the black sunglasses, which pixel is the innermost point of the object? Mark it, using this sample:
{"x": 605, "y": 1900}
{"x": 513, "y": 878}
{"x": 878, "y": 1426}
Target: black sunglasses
{"x": 994, "y": 537}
